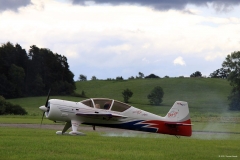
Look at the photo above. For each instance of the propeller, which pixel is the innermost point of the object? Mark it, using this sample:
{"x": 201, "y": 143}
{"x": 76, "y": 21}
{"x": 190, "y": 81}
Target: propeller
{"x": 46, "y": 104}
{"x": 42, "y": 118}
{"x": 46, "y": 107}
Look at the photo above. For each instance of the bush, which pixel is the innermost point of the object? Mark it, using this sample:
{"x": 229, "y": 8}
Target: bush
{"x": 8, "y": 108}
{"x": 15, "y": 109}
{"x": 152, "y": 76}
{"x": 127, "y": 93}
{"x": 156, "y": 95}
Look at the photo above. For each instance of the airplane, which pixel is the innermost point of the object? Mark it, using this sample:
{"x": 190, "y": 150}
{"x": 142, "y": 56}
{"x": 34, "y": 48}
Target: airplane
{"x": 115, "y": 114}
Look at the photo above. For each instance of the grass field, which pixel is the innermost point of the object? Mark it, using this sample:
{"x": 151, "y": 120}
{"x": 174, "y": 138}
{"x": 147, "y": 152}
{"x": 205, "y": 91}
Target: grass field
{"x": 17, "y": 143}
{"x": 204, "y": 95}
{"x": 207, "y": 98}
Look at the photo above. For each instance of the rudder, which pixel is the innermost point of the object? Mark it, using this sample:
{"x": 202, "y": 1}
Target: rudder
{"x": 178, "y": 120}
{"x": 179, "y": 112}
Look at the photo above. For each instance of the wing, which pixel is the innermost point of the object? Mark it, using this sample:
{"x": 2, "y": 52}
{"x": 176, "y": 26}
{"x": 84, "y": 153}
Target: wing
{"x": 104, "y": 116}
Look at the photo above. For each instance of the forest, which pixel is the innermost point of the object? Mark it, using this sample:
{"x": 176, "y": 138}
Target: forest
{"x": 34, "y": 72}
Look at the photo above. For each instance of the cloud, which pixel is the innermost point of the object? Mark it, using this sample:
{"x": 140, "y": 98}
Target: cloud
{"x": 13, "y": 4}
{"x": 219, "y": 5}
{"x": 112, "y": 44}
{"x": 179, "y": 61}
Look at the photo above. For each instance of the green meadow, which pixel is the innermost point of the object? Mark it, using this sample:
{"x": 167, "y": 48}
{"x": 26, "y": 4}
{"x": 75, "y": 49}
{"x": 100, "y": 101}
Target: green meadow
{"x": 204, "y": 95}
{"x": 208, "y": 105}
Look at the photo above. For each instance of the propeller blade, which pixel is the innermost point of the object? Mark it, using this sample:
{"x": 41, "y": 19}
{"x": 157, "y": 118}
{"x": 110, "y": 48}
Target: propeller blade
{"x": 46, "y": 104}
{"x": 42, "y": 118}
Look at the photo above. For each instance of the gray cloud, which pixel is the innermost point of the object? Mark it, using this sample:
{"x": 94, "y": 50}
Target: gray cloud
{"x": 219, "y": 5}
{"x": 13, "y": 4}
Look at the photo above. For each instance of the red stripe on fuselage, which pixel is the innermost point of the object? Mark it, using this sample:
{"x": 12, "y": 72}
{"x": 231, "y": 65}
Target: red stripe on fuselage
{"x": 172, "y": 128}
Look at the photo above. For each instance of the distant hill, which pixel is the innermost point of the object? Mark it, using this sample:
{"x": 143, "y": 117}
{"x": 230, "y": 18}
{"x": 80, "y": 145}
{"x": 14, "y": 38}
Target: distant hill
{"x": 202, "y": 94}
{"x": 205, "y": 96}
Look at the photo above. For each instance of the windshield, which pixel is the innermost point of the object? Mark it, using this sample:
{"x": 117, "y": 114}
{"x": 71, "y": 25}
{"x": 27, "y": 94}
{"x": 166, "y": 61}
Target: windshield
{"x": 107, "y": 104}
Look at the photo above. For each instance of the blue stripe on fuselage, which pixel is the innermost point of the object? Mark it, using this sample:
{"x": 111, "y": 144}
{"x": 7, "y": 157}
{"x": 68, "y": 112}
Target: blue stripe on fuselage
{"x": 133, "y": 125}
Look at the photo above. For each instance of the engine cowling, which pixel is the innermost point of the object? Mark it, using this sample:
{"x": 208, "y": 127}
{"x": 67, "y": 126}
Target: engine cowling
{"x": 54, "y": 113}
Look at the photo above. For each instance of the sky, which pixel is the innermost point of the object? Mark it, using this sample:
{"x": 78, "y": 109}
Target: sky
{"x": 114, "y": 38}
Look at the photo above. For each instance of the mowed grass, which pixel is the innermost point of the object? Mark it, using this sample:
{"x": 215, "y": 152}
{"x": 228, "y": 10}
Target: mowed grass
{"x": 19, "y": 143}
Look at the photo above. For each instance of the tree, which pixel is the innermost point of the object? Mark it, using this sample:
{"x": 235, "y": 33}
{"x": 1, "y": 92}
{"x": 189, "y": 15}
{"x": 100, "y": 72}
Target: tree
{"x": 38, "y": 85}
{"x": 94, "y": 78}
{"x": 83, "y": 94}
{"x": 127, "y": 94}
{"x": 156, "y": 95}
{"x": 6, "y": 87}
{"x": 16, "y": 76}
{"x": 196, "y": 74}
{"x": 51, "y": 71}
{"x": 119, "y": 78}
{"x": 13, "y": 62}
{"x": 219, "y": 73}
{"x": 110, "y": 79}
{"x": 131, "y": 78}
{"x": 141, "y": 75}
{"x": 82, "y": 77}
{"x": 232, "y": 66}
{"x": 152, "y": 76}
{"x": 234, "y": 104}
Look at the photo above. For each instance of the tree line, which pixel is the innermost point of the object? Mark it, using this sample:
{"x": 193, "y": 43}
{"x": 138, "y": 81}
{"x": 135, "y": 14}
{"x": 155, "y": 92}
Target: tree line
{"x": 33, "y": 73}
{"x": 140, "y": 76}
{"x": 219, "y": 73}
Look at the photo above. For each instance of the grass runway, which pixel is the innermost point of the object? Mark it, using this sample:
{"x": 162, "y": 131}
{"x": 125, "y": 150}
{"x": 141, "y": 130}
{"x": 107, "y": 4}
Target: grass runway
{"x": 28, "y": 143}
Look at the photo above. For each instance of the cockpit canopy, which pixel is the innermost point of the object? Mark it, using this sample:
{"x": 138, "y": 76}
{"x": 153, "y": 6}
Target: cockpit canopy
{"x": 107, "y": 104}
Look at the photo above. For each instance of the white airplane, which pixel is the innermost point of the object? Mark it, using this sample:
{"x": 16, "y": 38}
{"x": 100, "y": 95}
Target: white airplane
{"x": 111, "y": 113}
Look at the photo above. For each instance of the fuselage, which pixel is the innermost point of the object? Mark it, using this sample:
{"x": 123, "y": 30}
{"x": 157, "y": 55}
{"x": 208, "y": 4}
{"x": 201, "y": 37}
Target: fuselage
{"x": 62, "y": 110}
{"x": 116, "y": 115}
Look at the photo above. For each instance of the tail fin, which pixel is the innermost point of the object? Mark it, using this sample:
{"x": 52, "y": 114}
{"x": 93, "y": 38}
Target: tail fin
{"x": 179, "y": 112}
{"x": 178, "y": 119}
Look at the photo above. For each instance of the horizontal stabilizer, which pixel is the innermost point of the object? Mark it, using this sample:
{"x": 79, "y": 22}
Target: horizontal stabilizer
{"x": 177, "y": 124}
